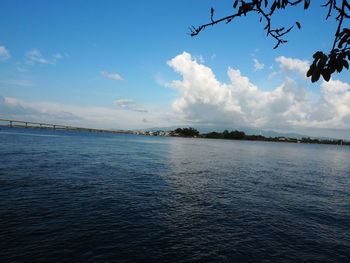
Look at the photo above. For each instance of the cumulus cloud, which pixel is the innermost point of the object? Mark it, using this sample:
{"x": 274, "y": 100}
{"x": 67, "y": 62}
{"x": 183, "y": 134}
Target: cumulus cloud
{"x": 4, "y": 53}
{"x": 130, "y": 105}
{"x": 257, "y": 65}
{"x": 203, "y": 99}
{"x": 111, "y": 75}
{"x": 293, "y": 65}
{"x": 333, "y": 109}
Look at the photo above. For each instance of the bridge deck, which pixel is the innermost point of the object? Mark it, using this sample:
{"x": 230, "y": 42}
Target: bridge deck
{"x": 43, "y": 125}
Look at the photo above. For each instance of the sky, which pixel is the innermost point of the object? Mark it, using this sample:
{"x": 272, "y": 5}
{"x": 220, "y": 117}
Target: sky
{"x": 133, "y": 65}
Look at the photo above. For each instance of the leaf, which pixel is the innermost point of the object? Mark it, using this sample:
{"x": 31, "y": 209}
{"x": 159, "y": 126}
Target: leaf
{"x": 212, "y": 14}
{"x": 311, "y": 70}
{"x": 326, "y": 74}
{"x": 315, "y": 76}
{"x": 322, "y": 62}
{"x": 298, "y": 24}
{"x": 345, "y": 64}
{"x": 343, "y": 40}
{"x": 339, "y": 67}
{"x": 317, "y": 55}
{"x": 235, "y": 4}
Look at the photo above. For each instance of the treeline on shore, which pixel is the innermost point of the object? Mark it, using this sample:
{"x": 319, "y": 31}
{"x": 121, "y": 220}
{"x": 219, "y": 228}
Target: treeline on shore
{"x": 240, "y": 135}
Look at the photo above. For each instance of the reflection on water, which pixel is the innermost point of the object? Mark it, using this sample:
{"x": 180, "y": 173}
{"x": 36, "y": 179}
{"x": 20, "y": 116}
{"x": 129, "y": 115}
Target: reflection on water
{"x": 123, "y": 198}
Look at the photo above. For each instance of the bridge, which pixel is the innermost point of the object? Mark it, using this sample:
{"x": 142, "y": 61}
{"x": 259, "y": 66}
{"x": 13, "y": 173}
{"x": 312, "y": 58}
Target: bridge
{"x": 42, "y": 125}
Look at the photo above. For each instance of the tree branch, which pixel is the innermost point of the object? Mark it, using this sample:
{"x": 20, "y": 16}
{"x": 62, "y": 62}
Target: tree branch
{"x": 323, "y": 65}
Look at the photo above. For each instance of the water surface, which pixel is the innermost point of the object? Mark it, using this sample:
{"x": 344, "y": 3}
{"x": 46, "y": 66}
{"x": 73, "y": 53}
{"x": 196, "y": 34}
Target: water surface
{"x": 95, "y": 197}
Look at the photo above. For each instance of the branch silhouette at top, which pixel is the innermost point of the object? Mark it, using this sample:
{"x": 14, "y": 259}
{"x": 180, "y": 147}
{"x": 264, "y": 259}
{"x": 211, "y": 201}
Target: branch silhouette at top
{"x": 323, "y": 64}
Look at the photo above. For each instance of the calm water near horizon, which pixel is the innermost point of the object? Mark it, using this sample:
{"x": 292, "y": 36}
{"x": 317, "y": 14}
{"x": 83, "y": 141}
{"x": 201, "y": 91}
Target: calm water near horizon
{"x": 72, "y": 196}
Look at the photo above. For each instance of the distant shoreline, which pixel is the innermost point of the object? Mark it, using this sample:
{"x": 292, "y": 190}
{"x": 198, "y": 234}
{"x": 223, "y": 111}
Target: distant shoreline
{"x": 240, "y": 135}
{"x": 233, "y": 135}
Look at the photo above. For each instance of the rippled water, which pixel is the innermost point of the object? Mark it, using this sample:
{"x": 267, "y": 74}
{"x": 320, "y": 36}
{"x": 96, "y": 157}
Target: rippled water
{"x": 93, "y": 197}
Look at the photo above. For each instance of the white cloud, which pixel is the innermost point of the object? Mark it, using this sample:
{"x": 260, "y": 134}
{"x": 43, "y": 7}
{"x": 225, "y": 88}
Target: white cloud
{"x": 200, "y": 59}
{"x": 253, "y": 54}
{"x": 257, "y": 65}
{"x": 293, "y": 65}
{"x": 4, "y": 53}
{"x": 203, "y": 99}
{"x": 35, "y": 56}
{"x": 160, "y": 79}
{"x": 333, "y": 109}
{"x": 111, "y": 75}
{"x": 272, "y": 75}
{"x": 57, "y": 56}
{"x": 22, "y": 83}
{"x": 20, "y": 69}
{"x": 130, "y": 105}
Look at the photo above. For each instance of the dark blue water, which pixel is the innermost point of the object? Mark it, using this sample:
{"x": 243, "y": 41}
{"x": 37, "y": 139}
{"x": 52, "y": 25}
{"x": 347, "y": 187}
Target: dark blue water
{"x": 91, "y": 197}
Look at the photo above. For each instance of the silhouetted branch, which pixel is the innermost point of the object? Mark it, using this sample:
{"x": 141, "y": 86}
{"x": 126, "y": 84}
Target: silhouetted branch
{"x": 323, "y": 65}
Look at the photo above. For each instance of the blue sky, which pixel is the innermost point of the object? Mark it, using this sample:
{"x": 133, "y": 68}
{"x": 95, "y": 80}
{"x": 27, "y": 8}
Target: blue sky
{"x": 132, "y": 64}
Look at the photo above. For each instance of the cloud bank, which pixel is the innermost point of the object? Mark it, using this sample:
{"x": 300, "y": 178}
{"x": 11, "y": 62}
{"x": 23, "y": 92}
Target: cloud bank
{"x": 86, "y": 116}
{"x": 205, "y": 100}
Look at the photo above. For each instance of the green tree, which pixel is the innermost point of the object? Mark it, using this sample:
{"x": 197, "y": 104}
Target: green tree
{"x": 187, "y": 132}
{"x": 237, "y": 135}
{"x": 324, "y": 64}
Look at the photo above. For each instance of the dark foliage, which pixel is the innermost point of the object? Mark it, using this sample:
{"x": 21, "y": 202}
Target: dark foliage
{"x": 235, "y": 135}
{"x": 240, "y": 135}
{"x": 323, "y": 64}
{"x": 187, "y": 132}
